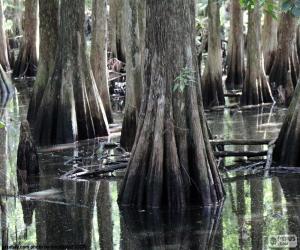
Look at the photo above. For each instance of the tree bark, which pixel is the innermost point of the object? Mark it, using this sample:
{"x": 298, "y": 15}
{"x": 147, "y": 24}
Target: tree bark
{"x": 212, "y": 86}
{"x": 99, "y": 53}
{"x": 172, "y": 164}
{"x": 17, "y": 21}
{"x": 71, "y": 108}
{"x": 256, "y": 88}
{"x": 285, "y": 69}
{"x": 288, "y": 142}
{"x": 48, "y": 11}
{"x": 26, "y": 64}
{"x": 135, "y": 35}
{"x": 235, "y": 59}
{"x": 6, "y": 87}
{"x": 269, "y": 40}
{"x": 3, "y": 45}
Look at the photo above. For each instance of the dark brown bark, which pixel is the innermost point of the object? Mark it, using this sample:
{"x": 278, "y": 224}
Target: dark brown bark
{"x": 172, "y": 164}
{"x": 135, "y": 32}
{"x": 48, "y": 12}
{"x": 98, "y": 57}
{"x": 71, "y": 108}
{"x": 235, "y": 58}
{"x": 286, "y": 151}
{"x": 3, "y": 45}
{"x": 212, "y": 86}
{"x": 256, "y": 88}
{"x": 269, "y": 40}
{"x": 285, "y": 69}
{"x": 27, "y": 61}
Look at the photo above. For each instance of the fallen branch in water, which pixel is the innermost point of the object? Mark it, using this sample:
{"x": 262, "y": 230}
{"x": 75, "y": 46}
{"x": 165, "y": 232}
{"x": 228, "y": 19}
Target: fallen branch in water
{"x": 248, "y": 167}
{"x": 240, "y": 142}
{"x": 240, "y": 153}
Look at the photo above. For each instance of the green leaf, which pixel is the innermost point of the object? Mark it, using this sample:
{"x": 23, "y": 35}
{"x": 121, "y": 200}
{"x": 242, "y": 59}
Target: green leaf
{"x": 296, "y": 11}
{"x": 2, "y": 124}
{"x": 286, "y": 6}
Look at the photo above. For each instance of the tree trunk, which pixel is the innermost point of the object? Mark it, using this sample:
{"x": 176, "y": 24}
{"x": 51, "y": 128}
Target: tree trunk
{"x": 99, "y": 53}
{"x": 6, "y": 87}
{"x": 172, "y": 164}
{"x": 288, "y": 142}
{"x": 212, "y": 86}
{"x": 285, "y": 68}
{"x": 26, "y": 64}
{"x": 3, "y": 45}
{"x": 71, "y": 108}
{"x": 112, "y": 30}
{"x": 235, "y": 59}
{"x": 269, "y": 40}
{"x": 48, "y": 11}
{"x": 17, "y": 21}
{"x": 135, "y": 35}
{"x": 256, "y": 88}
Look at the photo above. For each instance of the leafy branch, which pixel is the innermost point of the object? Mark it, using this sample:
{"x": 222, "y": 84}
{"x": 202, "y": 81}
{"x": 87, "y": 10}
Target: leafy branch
{"x": 184, "y": 79}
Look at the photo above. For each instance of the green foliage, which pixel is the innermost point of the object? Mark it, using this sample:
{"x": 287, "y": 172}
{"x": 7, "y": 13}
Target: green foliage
{"x": 269, "y": 6}
{"x": 292, "y": 6}
{"x": 2, "y": 125}
{"x": 185, "y": 78}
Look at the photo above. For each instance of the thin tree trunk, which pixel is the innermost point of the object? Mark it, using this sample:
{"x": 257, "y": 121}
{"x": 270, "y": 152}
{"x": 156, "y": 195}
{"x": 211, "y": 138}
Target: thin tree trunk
{"x": 256, "y": 88}
{"x": 49, "y": 38}
{"x": 235, "y": 60}
{"x": 285, "y": 69}
{"x": 269, "y": 40}
{"x": 113, "y": 28}
{"x": 288, "y": 142}
{"x": 135, "y": 32}
{"x": 17, "y": 21}
{"x": 172, "y": 164}
{"x": 99, "y": 53}
{"x": 26, "y": 64}
{"x": 3, "y": 45}
{"x": 71, "y": 108}
{"x": 212, "y": 86}
{"x": 6, "y": 87}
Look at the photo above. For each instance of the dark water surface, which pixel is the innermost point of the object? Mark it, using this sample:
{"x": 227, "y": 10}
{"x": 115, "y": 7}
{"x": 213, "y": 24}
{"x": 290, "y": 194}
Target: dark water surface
{"x": 49, "y": 213}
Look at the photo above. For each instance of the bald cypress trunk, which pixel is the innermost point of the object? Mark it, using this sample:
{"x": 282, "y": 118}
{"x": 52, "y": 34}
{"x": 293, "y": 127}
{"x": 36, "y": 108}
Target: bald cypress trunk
{"x": 256, "y": 88}
{"x": 285, "y": 69}
{"x": 48, "y": 11}
{"x": 112, "y": 30}
{"x": 288, "y": 142}
{"x": 99, "y": 53}
{"x": 26, "y": 64}
{"x": 212, "y": 86}
{"x": 269, "y": 40}
{"x": 71, "y": 108}
{"x": 3, "y": 45}
{"x": 172, "y": 164}
{"x": 135, "y": 32}
{"x": 235, "y": 59}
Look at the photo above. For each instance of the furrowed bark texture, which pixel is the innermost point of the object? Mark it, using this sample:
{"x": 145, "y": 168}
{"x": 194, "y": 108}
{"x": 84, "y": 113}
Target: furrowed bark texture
{"x": 286, "y": 151}
{"x": 256, "y": 88}
{"x": 71, "y": 108}
{"x": 48, "y": 12}
{"x": 212, "y": 87}
{"x": 135, "y": 36}
{"x": 172, "y": 164}
{"x": 235, "y": 59}
{"x": 99, "y": 53}
{"x": 269, "y": 40}
{"x": 285, "y": 69}
{"x": 3, "y": 45}
{"x": 26, "y": 64}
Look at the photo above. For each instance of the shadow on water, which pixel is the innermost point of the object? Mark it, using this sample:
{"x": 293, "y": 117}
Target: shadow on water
{"x": 49, "y": 212}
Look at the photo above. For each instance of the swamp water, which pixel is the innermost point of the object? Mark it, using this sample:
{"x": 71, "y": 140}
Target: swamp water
{"x": 50, "y": 213}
